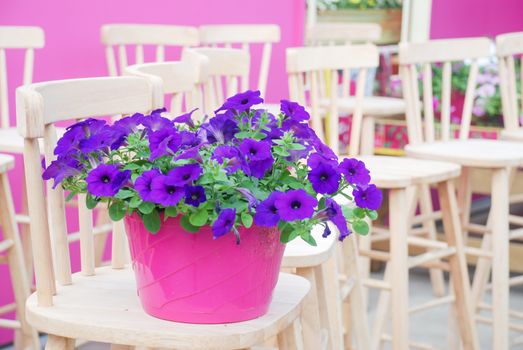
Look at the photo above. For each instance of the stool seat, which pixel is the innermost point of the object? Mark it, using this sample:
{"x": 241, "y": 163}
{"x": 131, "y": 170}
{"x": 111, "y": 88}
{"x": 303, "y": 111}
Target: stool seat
{"x": 299, "y": 253}
{"x": 372, "y": 105}
{"x": 105, "y": 308}
{"x": 512, "y": 135}
{"x": 473, "y": 153}
{"x": 7, "y": 163}
{"x": 12, "y": 142}
{"x": 397, "y": 172}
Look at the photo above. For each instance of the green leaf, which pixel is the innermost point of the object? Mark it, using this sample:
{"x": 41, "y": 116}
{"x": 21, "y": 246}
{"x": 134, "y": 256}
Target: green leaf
{"x": 321, "y": 203}
{"x": 242, "y": 134}
{"x": 307, "y": 237}
{"x": 372, "y": 214}
{"x": 359, "y": 213}
{"x": 124, "y": 194}
{"x": 170, "y": 212}
{"x": 296, "y": 147}
{"x": 146, "y": 207}
{"x": 91, "y": 201}
{"x": 152, "y": 221}
{"x": 135, "y": 202}
{"x": 288, "y": 234}
{"x": 199, "y": 218}
{"x": 117, "y": 211}
{"x": 246, "y": 219}
{"x": 361, "y": 227}
{"x": 184, "y": 221}
{"x": 70, "y": 196}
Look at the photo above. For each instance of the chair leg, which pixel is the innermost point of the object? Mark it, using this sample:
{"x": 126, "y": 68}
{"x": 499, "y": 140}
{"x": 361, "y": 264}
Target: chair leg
{"x": 121, "y": 347}
{"x": 310, "y": 316}
{"x": 458, "y": 264}
{"x": 382, "y": 313}
{"x": 21, "y": 287}
{"x": 292, "y": 337}
{"x": 119, "y": 246}
{"x": 399, "y": 269}
{"x": 500, "y": 258}
{"x": 436, "y": 275}
{"x": 55, "y": 342}
{"x": 26, "y": 239}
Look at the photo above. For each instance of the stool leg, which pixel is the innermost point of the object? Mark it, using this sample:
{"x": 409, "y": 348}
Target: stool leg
{"x": 329, "y": 301}
{"x": 382, "y": 313}
{"x": 399, "y": 269}
{"x": 18, "y": 272}
{"x": 292, "y": 337}
{"x": 500, "y": 259}
{"x": 310, "y": 317}
{"x": 458, "y": 264}
{"x": 55, "y": 342}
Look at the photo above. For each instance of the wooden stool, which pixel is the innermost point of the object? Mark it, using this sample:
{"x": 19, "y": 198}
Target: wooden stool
{"x": 26, "y": 335}
{"x": 318, "y": 264}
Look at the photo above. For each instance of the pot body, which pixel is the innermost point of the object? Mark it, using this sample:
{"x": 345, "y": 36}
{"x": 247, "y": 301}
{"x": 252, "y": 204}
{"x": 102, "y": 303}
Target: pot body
{"x": 193, "y": 278}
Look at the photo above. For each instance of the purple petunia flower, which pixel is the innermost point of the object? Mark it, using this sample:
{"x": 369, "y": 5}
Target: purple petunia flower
{"x": 155, "y": 121}
{"x": 266, "y": 212}
{"x": 103, "y": 138}
{"x": 296, "y": 205}
{"x": 184, "y": 174}
{"x": 76, "y": 133}
{"x": 106, "y": 180}
{"x": 164, "y": 142}
{"x": 164, "y": 192}
{"x": 255, "y": 150}
{"x": 325, "y": 178}
{"x": 143, "y": 184}
{"x": 242, "y": 101}
{"x": 368, "y": 197}
{"x": 294, "y": 111}
{"x": 186, "y": 118}
{"x": 335, "y": 214}
{"x": 326, "y": 231}
{"x": 129, "y": 124}
{"x": 224, "y": 223}
{"x": 251, "y": 199}
{"x": 64, "y": 166}
{"x": 194, "y": 195}
{"x": 221, "y": 129}
{"x": 355, "y": 172}
{"x": 315, "y": 159}
{"x": 258, "y": 168}
{"x": 301, "y": 130}
{"x": 191, "y": 153}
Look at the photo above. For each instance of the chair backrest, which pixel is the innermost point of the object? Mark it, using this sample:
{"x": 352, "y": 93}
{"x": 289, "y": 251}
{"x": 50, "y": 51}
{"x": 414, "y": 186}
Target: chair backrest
{"x": 508, "y": 46}
{"x": 322, "y": 34}
{"x": 444, "y": 52}
{"x": 39, "y": 107}
{"x": 245, "y": 35}
{"x": 28, "y": 38}
{"x": 227, "y": 71}
{"x": 304, "y": 68}
{"x": 181, "y": 81}
{"x": 138, "y": 35}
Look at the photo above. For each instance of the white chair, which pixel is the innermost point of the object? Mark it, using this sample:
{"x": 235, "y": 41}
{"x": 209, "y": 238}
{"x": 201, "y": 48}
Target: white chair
{"x": 138, "y": 35}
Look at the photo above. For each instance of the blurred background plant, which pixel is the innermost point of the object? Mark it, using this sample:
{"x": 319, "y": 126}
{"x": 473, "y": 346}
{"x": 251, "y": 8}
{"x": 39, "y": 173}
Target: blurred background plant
{"x": 358, "y": 4}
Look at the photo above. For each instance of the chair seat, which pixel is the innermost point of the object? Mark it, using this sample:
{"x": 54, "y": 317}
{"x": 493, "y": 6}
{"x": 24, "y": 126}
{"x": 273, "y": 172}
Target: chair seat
{"x": 378, "y": 106}
{"x": 473, "y": 153}
{"x": 398, "y": 172}
{"x": 12, "y": 142}
{"x": 105, "y": 308}
{"x": 7, "y": 162}
{"x": 512, "y": 135}
{"x": 299, "y": 253}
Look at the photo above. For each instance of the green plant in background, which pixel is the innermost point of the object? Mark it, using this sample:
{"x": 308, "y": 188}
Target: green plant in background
{"x": 359, "y": 4}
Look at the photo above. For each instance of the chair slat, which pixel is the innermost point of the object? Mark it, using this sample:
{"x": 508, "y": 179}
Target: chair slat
{"x": 345, "y": 83}
{"x": 414, "y": 93}
{"x": 56, "y": 207}
{"x": 111, "y": 62}
{"x": 513, "y": 92}
{"x": 317, "y": 124}
{"x": 160, "y": 53}
{"x": 466, "y": 117}
{"x": 264, "y": 67}
{"x": 427, "y": 102}
{"x": 445, "y": 101}
{"x": 4, "y": 101}
{"x": 357, "y": 115}
{"x": 122, "y": 55}
{"x": 521, "y": 86}
{"x": 139, "y": 54}
{"x": 85, "y": 219}
{"x": 28, "y": 66}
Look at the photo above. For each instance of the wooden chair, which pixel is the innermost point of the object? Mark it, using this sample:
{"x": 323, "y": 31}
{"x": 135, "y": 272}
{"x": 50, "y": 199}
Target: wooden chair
{"x": 245, "y": 35}
{"x": 26, "y": 336}
{"x": 227, "y": 73}
{"x": 138, "y": 35}
{"x": 428, "y": 140}
{"x": 374, "y": 107}
{"x": 402, "y": 177}
{"x": 507, "y": 47}
{"x": 72, "y": 308}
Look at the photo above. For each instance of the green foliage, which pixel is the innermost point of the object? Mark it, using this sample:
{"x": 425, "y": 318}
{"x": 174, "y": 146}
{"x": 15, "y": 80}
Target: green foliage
{"x": 359, "y": 4}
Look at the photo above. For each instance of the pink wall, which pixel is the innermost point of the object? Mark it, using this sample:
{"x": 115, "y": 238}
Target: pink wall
{"x": 73, "y": 49}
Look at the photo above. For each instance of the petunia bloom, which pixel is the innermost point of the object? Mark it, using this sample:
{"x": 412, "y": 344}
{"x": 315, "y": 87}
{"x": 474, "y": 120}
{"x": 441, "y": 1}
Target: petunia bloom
{"x": 64, "y": 166}
{"x": 220, "y": 129}
{"x": 106, "y": 180}
{"x": 224, "y": 223}
{"x": 255, "y": 150}
{"x": 242, "y": 101}
{"x": 163, "y": 142}
{"x": 294, "y": 110}
{"x": 186, "y": 118}
{"x": 195, "y": 195}
{"x": 266, "y": 212}
{"x": 335, "y": 214}
{"x": 155, "y": 121}
{"x": 295, "y": 205}
{"x": 184, "y": 174}
{"x": 325, "y": 178}
{"x": 164, "y": 192}
{"x": 142, "y": 184}
{"x": 355, "y": 172}
{"x": 369, "y": 197}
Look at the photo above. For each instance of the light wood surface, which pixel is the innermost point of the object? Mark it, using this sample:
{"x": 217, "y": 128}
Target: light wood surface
{"x": 342, "y": 33}
{"x": 299, "y": 253}
{"x": 138, "y": 35}
{"x": 376, "y": 106}
{"x": 112, "y": 293}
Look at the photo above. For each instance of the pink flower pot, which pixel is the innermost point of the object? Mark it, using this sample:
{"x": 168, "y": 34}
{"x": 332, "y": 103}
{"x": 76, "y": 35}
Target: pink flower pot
{"x": 193, "y": 278}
